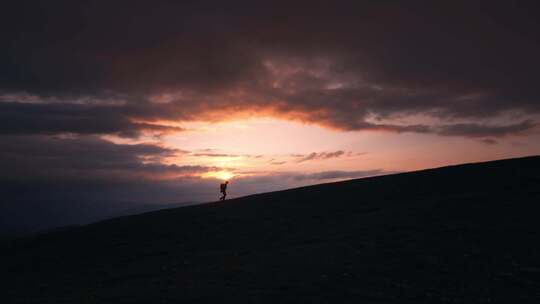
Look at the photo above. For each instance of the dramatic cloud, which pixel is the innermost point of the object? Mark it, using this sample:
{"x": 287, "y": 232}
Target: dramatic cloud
{"x": 75, "y": 72}
{"x": 23, "y": 118}
{"x": 477, "y": 130}
{"x": 338, "y": 64}
{"x": 86, "y": 159}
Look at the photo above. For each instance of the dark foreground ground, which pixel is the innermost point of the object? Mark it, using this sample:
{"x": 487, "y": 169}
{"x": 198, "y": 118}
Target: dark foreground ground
{"x": 463, "y": 234}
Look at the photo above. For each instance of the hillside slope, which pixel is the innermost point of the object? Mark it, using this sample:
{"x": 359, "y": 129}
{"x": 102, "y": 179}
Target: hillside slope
{"x": 460, "y": 234}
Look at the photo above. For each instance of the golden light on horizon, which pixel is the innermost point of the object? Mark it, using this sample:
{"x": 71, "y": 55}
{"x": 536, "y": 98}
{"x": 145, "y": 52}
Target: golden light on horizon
{"x": 222, "y": 175}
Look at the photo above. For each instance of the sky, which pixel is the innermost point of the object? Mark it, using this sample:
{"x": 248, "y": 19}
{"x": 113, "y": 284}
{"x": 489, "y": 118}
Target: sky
{"x": 157, "y": 102}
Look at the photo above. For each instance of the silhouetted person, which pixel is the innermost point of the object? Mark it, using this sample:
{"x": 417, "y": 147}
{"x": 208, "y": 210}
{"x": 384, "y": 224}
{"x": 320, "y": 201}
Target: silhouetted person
{"x": 223, "y": 189}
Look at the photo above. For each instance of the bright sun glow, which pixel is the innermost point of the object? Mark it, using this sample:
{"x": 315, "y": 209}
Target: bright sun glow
{"x": 223, "y": 175}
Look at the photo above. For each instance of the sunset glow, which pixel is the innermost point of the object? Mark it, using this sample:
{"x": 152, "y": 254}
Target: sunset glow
{"x": 269, "y": 151}
{"x": 160, "y": 103}
{"x": 221, "y": 175}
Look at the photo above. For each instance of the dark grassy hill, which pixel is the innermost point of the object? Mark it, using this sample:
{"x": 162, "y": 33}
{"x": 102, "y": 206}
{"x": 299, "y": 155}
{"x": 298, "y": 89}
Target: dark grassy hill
{"x": 16, "y": 221}
{"x": 461, "y": 234}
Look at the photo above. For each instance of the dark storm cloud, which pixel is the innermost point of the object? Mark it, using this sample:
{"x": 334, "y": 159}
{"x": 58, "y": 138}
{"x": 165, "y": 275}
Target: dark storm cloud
{"x": 339, "y": 64}
{"x": 477, "y": 130}
{"x": 50, "y": 159}
{"x": 22, "y": 118}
